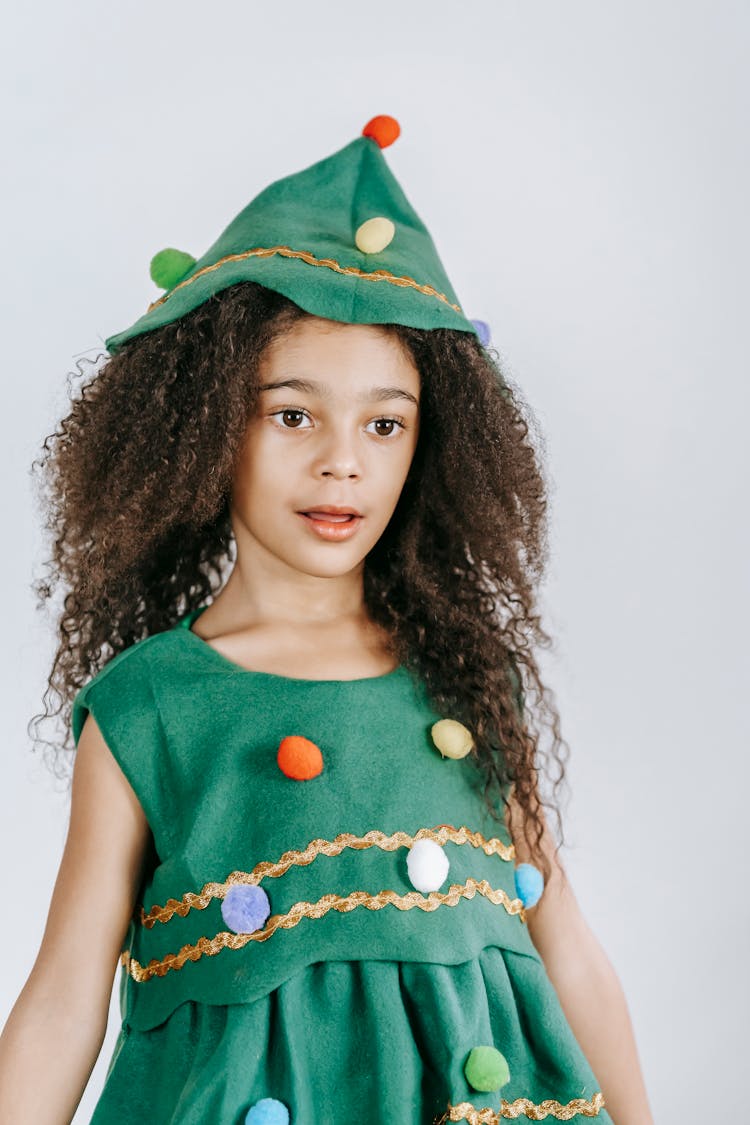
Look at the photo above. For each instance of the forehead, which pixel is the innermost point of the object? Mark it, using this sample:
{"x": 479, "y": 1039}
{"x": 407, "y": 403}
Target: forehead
{"x": 330, "y": 359}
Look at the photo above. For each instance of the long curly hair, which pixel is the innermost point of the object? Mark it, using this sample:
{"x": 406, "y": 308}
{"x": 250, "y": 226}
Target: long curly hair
{"x": 135, "y": 489}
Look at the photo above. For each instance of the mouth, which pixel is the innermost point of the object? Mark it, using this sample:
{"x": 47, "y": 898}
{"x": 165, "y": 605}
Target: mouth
{"x": 333, "y": 526}
{"x": 332, "y": 515}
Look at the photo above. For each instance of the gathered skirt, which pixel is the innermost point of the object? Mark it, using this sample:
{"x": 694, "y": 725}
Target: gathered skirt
{"x": 360, "y": 1041}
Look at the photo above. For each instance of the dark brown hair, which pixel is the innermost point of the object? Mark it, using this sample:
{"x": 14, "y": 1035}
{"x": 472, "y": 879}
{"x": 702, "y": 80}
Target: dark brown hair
{"x": 137, "y": 494}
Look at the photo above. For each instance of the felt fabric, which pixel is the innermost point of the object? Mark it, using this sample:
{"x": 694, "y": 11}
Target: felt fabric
{"x": 372, "y": 1042}
{"x": 364, "y": 1013}
{"x": 298, "y": 236}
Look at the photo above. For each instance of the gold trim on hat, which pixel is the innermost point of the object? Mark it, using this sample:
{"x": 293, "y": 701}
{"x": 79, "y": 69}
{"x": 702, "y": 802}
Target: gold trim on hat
{"x": 274, "y": 869}
{"x": 306, "y": 256}
{"x": 227, "y": 939}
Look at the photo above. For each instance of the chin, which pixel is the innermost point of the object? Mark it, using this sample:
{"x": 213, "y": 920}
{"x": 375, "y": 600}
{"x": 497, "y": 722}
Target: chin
{"x": 327, "y": 563}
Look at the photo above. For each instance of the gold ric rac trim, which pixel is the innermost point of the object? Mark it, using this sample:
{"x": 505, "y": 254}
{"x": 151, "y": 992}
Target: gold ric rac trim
{"x": 230, "y": 940}
{"x": 306, "y": 256}
{"x": 272, "y": 870}
{"x": 522, "y": 1107}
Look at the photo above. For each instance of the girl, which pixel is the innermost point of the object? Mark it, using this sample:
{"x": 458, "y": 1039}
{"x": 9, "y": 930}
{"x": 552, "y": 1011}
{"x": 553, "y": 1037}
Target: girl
{"x": 305, "y": 805}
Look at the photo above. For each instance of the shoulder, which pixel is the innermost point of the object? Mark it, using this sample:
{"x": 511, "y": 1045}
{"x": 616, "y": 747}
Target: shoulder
{"x": 125, "y": 678}
{"x": 123, "y": 698}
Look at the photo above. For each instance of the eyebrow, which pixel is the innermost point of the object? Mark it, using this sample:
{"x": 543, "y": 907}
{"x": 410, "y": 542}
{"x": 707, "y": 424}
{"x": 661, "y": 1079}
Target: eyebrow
{"x": 309, "y": 386}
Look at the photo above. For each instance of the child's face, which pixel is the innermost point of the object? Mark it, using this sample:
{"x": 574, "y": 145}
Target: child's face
{"x": 311, "y": 446}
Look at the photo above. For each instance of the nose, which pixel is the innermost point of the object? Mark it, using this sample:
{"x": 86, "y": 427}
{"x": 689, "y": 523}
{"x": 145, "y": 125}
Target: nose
{"x": 339, "y": 469}
{"x": 339, "y": 456}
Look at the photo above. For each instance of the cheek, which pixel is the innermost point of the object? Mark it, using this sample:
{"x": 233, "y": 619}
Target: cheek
{"x": 406, "y": 457}
{"x": 247, "y": 475}
{"x": 391, "y": 482}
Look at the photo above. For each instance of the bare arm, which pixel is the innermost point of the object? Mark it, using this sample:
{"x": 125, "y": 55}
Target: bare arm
{"x": 54, "y": 1033}
{"x": 588, "y": 988}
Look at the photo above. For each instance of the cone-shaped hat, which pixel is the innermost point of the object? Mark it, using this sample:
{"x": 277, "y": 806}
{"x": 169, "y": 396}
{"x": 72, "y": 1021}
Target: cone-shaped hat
{"x": 339, "y": 238}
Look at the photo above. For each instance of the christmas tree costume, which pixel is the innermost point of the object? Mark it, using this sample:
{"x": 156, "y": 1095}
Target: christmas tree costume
{"x": 330, "y": 926}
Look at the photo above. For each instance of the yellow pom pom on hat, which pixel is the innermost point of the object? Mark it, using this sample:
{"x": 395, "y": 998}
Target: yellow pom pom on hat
{"x": 338, "y": 238}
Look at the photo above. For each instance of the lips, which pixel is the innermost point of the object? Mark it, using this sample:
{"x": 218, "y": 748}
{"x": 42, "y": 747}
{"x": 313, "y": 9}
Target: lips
{"x": 330, "y": 512}
{"x": 335, "y": 527}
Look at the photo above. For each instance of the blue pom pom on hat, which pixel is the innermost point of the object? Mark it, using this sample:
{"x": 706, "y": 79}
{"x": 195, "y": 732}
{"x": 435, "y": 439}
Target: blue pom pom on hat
{"x": 483, "y": 331}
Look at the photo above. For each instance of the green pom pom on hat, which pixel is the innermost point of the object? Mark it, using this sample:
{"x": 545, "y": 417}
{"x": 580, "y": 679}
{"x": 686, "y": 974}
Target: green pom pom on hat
{"x": 170, "y": 266}
{"x": 339, "y": 238}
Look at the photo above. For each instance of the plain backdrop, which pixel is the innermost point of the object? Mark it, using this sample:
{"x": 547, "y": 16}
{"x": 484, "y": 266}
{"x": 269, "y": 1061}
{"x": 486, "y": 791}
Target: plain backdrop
{"x": 583, "y": 168}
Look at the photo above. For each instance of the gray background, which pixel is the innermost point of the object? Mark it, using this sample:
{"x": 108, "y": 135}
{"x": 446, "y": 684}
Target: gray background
{"x": 583, "y": 168}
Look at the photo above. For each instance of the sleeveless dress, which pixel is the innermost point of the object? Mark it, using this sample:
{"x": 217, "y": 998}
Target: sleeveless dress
{"x": 281, "y": 964}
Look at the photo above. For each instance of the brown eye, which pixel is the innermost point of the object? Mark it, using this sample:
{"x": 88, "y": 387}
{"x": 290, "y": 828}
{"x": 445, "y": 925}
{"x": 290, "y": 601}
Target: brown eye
{"x": 392, "y": 422}
{"x": 289, "y": 411}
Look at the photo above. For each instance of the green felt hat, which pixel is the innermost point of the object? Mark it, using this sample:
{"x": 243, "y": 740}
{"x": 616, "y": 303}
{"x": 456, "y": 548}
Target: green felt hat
{"x": 339, "y": 238}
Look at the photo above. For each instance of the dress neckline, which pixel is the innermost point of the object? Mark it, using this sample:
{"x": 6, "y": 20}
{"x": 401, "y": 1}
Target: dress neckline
{"x": 202, "y": 645}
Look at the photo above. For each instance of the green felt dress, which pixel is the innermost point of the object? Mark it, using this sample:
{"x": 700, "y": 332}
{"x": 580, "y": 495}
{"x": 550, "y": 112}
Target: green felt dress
{"x": 359, "y": 997}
